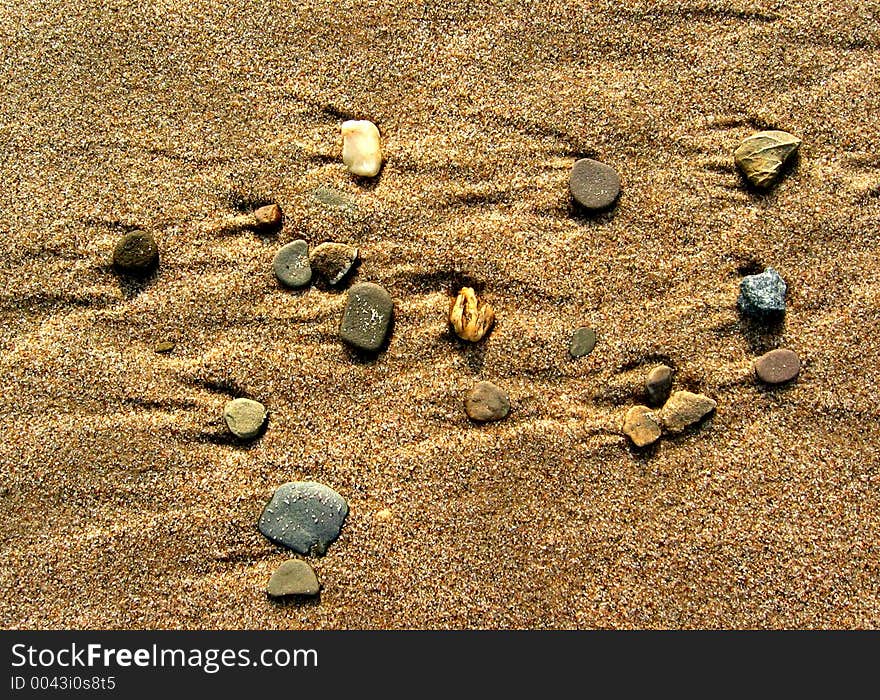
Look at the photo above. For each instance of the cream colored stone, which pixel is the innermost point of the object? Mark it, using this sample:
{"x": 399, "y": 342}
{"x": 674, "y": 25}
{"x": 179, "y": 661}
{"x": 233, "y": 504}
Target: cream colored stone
{"x": 641, "y": 426}
{"x": 361, "y": 149}
{"x": 683, "y": 409}
{"x": 470, "y": 318}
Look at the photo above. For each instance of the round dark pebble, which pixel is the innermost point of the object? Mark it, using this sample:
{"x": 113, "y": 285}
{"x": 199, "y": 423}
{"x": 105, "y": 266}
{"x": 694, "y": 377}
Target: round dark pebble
{"x": 778, "y": 366}
{"x": 659, "y": 384}
{"x": 593, "y": 185}
{"x": 583, "y": 340}
{"x": 486, "y": 402}
{"x": 291, "y": 264}
{"x": 136, "y": 253}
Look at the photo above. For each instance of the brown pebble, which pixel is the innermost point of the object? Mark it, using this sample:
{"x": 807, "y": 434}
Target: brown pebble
{"x": 778, "y": 366}
{"x": 268, "y": 217}
{"x": 486, "y": 402}
{"x": 641, "y": 426}
{"x": 658, "y": 384}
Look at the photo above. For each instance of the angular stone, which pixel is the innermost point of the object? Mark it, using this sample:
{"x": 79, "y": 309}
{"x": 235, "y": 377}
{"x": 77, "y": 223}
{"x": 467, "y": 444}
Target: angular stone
{"x": 762, "y": 156}
{"x": 333, "y": 261}
{"x": 641, "y": 426}
{"x": 293, "y": 577}
{"x": 762, "y": 296}
{"x": 658, "y": 384}
{"x": 583, "y": 340}
{"x": 683, "y": 409}
{"x": 367, "y": 316}
{"x": 470, "y": 318}
{"x": 304, "y": 515}
{"x": 245, "y": 418}
{"x": 291, "y": 264}
{"x": 267, "y": 218}
{"x": 136, "y": 253}
{"x": 593, "y": 185}
{"x": 486, "y": 402}
{"x": 778, "y": 366}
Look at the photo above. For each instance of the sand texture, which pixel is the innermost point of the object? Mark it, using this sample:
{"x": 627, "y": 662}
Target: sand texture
{"x": 125, "y": 503}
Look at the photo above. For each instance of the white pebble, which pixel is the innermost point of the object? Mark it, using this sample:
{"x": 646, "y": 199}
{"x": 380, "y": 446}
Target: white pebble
{"x": 361, "y": 150}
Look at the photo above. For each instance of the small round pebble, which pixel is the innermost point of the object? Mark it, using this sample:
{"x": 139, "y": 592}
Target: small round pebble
{"x": 486, "y": 402}
{"x": 659, "y": 384}
{"x": 778, "y": 366}
{"x": 333, "y": 261}
{"x": 641, "y": 426}
{"x": 583, "y": 340}
{"x": 292, "y": 266}
{"x": 136, "y": 253}
{"x": 593, "y": 185}
{"x": 293, "y": 577}
{"x": 245, "y": 417}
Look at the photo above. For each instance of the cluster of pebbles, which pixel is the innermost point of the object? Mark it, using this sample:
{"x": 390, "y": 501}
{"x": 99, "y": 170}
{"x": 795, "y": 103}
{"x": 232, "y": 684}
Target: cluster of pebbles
{"x": 307, "y": 517}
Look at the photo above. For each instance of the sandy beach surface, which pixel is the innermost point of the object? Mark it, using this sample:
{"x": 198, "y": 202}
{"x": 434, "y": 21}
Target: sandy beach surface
{"x": 124, "y": 501}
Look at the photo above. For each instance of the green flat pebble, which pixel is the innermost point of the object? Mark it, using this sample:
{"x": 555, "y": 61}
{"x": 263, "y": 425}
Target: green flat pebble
{"x": 583, "y": 340}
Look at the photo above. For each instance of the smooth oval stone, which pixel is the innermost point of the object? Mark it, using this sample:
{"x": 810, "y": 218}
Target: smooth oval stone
{"x": 683, "y": 409}
{"x": 762, "y": 296}
{"x": 762, "y": 156}
{"x": 293, "y": 577}
{"x": 583, "y": 340}
{"x": 136, "y": 253}
{"x": 367, "y": 316}
{"x": 164, "y": 346}
{"x": 304, "y": 515}
{"x": 333, "y": 261}
{"x": 641, "y": 426}
{"x": 245, "y": 417}
{"x": 291, "y": 264}
{"x": 593, "y": 185}
{"x": 486, "y": 402}
{"x": 778, "y": 366}
{"x": 658, "y": 384}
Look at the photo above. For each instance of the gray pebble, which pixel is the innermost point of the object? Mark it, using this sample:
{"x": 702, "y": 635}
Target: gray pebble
{"x": 593, "y": 185}
{"x": 367, "y": 316}
{"x": 291, "y": 264}
{"x": 304, "y": 515}
{"x": 486, "y": 402}
{"x": 762, "y": 296}
{"x": 583, "y": 340}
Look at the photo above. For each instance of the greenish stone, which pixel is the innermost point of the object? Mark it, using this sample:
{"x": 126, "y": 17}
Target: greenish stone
{"x": 164, "y": 346}
{"x": 291, "y": 264}
{"x": 304, "y": 515}
{"x": 583, "y": 340}
{"x": 245, "y": 418}
{"x": 367, "y": 316}
{"x": 293, "y": 577}
{"x": 136, "y": 253}
{"x": 334, "y": 199}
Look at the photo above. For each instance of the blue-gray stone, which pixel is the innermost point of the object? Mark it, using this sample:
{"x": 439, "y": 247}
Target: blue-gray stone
{"x": 762, "y": 296}
{"x": 304, "y": 515}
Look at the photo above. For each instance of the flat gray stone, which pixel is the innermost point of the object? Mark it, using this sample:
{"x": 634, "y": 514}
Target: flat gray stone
{"x": 583, "y": 340}
{"x": 304, "y": 515}
{"x": 367, "y": 316}
{"x": 293, "y": 577}
{"x": 292, "y": 266}
{"x": 245, "y": 418}
{"x": 762, "y": 296}
{"x": 593, "y": 185}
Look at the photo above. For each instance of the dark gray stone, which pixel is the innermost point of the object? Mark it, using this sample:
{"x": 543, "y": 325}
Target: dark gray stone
{"x": 659, "y": 384}
{"x": 762, "y": 296}
{"x": 136, "y": 253}
{"x": 292, "y": 266}
{"x": 583, "y": 340}
{"x": 593, "y": 185}
{"x": 304, "y": 515}
{"x": 367, "y": 316}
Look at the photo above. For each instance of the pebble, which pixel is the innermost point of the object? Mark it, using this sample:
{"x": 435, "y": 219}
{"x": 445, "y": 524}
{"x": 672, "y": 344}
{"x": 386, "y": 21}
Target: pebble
{"x": 361, "y": 147}
{"x": 778, "y": 366}
{"x": 762, "y": 156}
{"x": 304, "y": 515}
{"x": 762, "y": 296}
{"x": 641, "y": 426}
{"x": 333, "y": 261}
{"x": 367, "y": 316}
{"x": 291, "y": 264}
{"x": 384, "y": 515}
{"x": 486, "y": 402}
{"x": 593, "y": 185}
{"x": 583, "y": 340}
{"x": 267, "y": 218}
{"x": 470, "y": 319}
{"x": 245, "y": 418}
{"x": 293, "y": 577}
{"x": 136, "y": 253}
{"x": 659, "y": 384}
{"x": 164, "y": 346}
{"x": 683, "y": 409}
